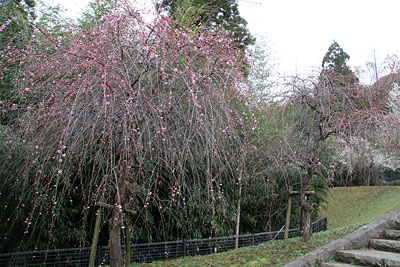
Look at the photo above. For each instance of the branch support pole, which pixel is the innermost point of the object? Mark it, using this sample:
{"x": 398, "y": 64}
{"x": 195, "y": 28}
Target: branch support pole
{"x": 128, "y": 242}
{"x": 95, "y": 236}
{"x": 288, "y": 211}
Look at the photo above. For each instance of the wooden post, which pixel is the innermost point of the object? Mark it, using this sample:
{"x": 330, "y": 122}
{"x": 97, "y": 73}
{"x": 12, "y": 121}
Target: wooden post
{"x": 288, "y": 211}
{"x": 238, "y": 216}
{"x": 184, "y": 248}
{"x": 95, "y": 236}
{"x": 301, "y": 219}
{"x": 128, "y": 242}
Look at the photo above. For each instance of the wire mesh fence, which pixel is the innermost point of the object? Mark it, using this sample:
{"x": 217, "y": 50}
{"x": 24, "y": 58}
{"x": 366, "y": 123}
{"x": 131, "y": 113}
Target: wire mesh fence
{"x": 56, "y": 257}
{"x": 148, "y": 252}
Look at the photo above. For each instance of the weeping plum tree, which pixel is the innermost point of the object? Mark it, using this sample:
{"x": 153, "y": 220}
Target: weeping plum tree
{"x": 320, "y": 113}
{"x": 117, "y": 109}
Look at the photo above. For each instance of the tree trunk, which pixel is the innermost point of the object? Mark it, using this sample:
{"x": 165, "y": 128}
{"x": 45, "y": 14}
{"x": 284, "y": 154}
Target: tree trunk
{"x": 307, "y": 227}
{"x": 307, "y": 208}
{"x": 115, "y": 238}
{"x": 116, "y": 257}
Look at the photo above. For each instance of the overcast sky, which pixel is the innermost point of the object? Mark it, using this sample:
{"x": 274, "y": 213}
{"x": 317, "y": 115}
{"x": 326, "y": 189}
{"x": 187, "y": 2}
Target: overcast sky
{"x": 299, "y": 32}
{"x": 302, "y": 30}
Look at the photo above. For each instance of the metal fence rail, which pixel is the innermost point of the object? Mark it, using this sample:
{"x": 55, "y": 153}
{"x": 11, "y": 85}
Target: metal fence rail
{"x": 147, "y": 252}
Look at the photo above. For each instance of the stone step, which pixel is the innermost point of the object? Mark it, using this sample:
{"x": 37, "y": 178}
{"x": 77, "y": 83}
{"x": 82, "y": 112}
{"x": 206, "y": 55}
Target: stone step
{"x": 337, "y": 264}
{"x": 369, "y": 257}
{"x": 397, "y": 225}
{"x": 392, "y": 234}
{"x": 384, "y": 244}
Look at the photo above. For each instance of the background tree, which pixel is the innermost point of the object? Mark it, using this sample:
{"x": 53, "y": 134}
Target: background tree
{"x": 14, "y": 18}
{"x": 335, "y": 62}
{"x": 261, "y": 72}
{"x": 211, "y": 14}
{"x": 387, "y": 135}
{"x": 15, "y": 32}
{"x": 336, "y": 59}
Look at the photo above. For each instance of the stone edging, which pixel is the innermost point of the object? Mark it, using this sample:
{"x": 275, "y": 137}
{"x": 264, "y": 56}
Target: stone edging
{"x": 356, "y": 239}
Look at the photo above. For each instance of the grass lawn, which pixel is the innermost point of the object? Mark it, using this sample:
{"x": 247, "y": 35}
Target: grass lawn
{"x": 348, "y": 209}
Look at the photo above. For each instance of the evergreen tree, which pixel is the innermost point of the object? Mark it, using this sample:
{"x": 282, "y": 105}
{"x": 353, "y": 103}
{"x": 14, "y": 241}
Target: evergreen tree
{"x": 212, "y": 13}
{"x": 335, "y": 60}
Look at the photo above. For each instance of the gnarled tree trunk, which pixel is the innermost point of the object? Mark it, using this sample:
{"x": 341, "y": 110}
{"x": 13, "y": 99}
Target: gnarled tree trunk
{"x": 306, "y": 205}
{"x": 306, "y": 235}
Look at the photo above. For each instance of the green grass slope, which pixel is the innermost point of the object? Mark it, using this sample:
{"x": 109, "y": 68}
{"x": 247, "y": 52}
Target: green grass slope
{"x": 348, "y": 209}
{"x": 360, "y": 205}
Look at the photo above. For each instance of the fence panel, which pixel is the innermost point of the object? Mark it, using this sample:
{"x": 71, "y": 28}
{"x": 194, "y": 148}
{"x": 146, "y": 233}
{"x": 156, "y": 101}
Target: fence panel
{"x": 58, "y": 257}
{"x": 148, "y": 252}
{"x": 157, "y": 251}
